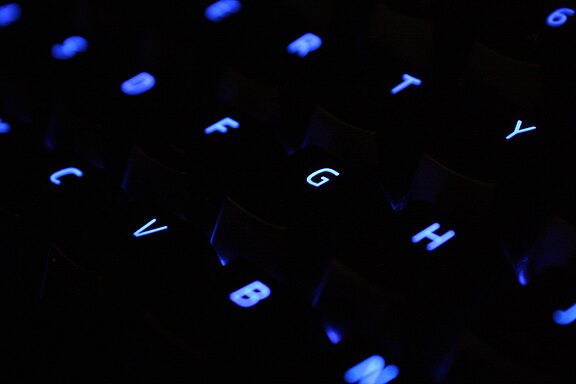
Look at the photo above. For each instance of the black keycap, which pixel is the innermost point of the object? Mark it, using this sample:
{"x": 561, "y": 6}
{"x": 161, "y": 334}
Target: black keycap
{"x": 258, "y": 329}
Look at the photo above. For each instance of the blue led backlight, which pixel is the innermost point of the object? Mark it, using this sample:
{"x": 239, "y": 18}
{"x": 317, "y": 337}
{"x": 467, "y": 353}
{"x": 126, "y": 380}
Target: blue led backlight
{"x": 222, "y": 260}
{"x": 9, "y": 13}
{"x": 373, "y": 370}
{"x": 55, "y": 177}
{"x": 559, "y": 17}
{"x": 143, "y": 230}
{"x": 222, "y": 9}
{"x": 4, "y": 127}
{"x": 523, "y": 277}
{"x": 305, "y": 44}
{"x": 249, "y": 295}
{"x": 138, "y": 84}
{"x": 566, "y": 317}
{"x": 436, "y": 240}
{"x": 407, "y": 80}
{"x": 518, "y": 129}
{"x": 69, "y": 48}
{"x": 314, "y": 181}
{"x": 522, "y": 271}
{"x": 222, "y": 126}
{"x": 333, "y": 335}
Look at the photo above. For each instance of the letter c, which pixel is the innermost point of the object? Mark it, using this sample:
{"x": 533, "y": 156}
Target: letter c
{"x": 55, "y": 177}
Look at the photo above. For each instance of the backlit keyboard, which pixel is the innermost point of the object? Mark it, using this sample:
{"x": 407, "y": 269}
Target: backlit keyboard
{"x": 290, "y": 191}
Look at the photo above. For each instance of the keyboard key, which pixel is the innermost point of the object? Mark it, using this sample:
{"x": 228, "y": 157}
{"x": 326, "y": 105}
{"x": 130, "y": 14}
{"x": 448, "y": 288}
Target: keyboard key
{"x": 360, "y": 148}
{"x": 348, "y": 304}
{"x": 161, "y": 178}
{"x": 444, "y": 187}
{"x": 249, "y": 316}
{"x": 76, "y": 302}
{"x": 239, "y": 233}
{"x": 438, "y": 245}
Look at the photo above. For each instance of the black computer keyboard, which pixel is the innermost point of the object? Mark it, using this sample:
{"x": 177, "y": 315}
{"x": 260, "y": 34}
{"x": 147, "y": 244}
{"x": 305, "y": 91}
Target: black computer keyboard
{"x": 370, "y": 192}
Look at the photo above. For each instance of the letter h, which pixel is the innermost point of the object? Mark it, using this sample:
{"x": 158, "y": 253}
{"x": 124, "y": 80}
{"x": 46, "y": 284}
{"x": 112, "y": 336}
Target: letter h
{"x": 437, "y": 240}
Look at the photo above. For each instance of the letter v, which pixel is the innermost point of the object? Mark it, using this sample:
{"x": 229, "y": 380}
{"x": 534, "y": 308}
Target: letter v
{"x": 143, "y": 232}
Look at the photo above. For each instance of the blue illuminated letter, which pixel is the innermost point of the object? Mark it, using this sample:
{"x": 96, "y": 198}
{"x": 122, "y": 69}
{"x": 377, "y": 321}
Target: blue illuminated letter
{"x": 4, "y": 127}
{"x": 323, "y": 179}
{"x": 436, "y": 239}
{"x": 138, "y": 84}
{"x": 373, "y": 370}
{"x": 305, "y": 44}
{"x": 69, "y": 48}
{"x": 55, "y": 177}
{"x": 222, "y": 9}
{"x": 250, "y": 294}
{"x": 407, "y": 80}
{"x": 142, "y": 231}
{"x": 518, "y": 130}
{"x": 565, "y": 317}
{"x": 222, "y": 126}
{"x": 9, "y": 13}
{"x": 559, "y": 17}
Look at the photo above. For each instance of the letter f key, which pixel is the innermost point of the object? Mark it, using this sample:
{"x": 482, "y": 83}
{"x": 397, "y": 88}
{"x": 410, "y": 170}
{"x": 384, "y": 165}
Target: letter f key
{"x": 222, "y": 126}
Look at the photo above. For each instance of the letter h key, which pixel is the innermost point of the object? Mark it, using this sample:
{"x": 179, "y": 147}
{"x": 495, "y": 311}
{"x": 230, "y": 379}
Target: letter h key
{"x": 436, "y": 240}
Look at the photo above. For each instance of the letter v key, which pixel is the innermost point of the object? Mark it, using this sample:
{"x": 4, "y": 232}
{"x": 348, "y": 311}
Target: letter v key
{"x": 143, "y": 232}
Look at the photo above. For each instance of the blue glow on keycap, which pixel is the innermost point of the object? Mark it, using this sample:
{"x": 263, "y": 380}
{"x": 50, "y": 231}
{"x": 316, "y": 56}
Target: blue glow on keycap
{"x": 4, "y": 127}
{"x": 566, "y": 317}
{"x": 9, "y": 13}
{"x": 305, "y": 44}
{"x": 323, "y": 179}
{"x": 251, "y": 294}
{"x": 333, "y": 335}
{"x": 223, "y": 260}
{"x": 521, "y": 269}
{"x": 138, "y": 84}
{"x": 436, "y": 240}
{"x": 523, "y": 277}
{"x": 222, "y": 126}
{"x": 55, "y": 177}
{"x": 559, "y": 17}
{"x": 320, "y": 289}
{"x": 397, "y": 205}
{"x": 407, "y": 80}
{"x": 143, "y": 232}
{"x": 518, "y": 130}
{"x": 69, "y": 48}
{"x": 373, "y": 370}
{"x": 222, "y": 9}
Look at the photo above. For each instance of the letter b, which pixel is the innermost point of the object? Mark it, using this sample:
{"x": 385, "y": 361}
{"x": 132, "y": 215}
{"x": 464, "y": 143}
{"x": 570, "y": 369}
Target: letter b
{"x": 251, "y": 294}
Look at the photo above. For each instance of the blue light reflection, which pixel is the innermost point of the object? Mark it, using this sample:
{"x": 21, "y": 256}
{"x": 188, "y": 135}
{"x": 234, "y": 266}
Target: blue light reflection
{"x": 566, "y": 317}
{"x": 222, "y": 9}
{"x": 9, "y": 13}
{"x": 4, "y": 127}
{"x": 69, "y": 48}
{"x": 138, "y": 84}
